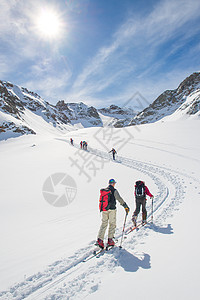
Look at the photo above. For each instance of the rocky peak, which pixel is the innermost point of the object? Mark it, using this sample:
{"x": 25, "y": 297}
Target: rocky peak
{"x": 117, "y": 111}
{"x": 189, "y": 84}
{"x": 169, "y": 101}
{"x": 79, "y": 113}
{"x": 9, "y": 103}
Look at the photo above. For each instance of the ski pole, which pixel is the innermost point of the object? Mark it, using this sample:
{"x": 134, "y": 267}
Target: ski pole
{"x": 123, "y": 230}
{"x": 152, "y": 211}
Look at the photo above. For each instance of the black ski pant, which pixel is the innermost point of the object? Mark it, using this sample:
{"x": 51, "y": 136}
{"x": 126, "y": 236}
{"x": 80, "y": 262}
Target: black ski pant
{"x": 139, "y": 202}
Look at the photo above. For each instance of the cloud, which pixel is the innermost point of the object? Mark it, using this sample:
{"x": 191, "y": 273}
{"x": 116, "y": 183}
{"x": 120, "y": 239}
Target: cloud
{"x": 140, "y": 39}
{"x": 50, "y": 79}
{"x": 135, "y": 59}
{"x": 50, "y": 87}
{"x": 25, "y": 54}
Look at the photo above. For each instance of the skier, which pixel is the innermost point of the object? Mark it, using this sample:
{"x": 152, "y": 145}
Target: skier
{"x": 81, "y": 144}
{"x": 141, "y": 190}
{"x": 86, "y": 144}
{"x": 107, "y": 205}
{"x": 72, "y": 142}
{"x": 114, "y": 152}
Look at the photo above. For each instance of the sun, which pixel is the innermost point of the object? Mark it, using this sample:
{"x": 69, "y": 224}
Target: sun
{"x": 48, "y": 24}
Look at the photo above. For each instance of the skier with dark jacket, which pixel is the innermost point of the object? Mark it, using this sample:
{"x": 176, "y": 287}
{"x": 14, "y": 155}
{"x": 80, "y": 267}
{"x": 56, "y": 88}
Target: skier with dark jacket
{"x": 108, "y": 211}
{"x": 141, "y": 190}
{"x": 114, "y": 152}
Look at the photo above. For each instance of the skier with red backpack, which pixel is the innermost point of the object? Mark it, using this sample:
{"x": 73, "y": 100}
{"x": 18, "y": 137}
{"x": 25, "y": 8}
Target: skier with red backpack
{"x": 107, "y": 206}
{"x": 141, "y": 190}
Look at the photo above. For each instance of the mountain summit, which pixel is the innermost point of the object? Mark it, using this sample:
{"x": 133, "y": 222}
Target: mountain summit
{"x": 185, "y": 101}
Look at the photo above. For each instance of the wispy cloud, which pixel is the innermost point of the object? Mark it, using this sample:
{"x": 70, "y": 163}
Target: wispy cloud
{"x": 49, "y": 80}
{"x": 136, "y": 59}
{"x": 140, "y": 39}
{"x": 25, "y": 53}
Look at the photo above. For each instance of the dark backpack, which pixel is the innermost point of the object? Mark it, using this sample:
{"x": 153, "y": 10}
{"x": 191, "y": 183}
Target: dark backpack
{"x": 140, "y": 189}
{"x": 105, "y": 195}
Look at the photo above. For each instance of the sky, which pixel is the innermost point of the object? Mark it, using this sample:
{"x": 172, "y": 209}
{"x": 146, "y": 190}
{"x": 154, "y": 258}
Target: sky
{"x": 100, "y": 52}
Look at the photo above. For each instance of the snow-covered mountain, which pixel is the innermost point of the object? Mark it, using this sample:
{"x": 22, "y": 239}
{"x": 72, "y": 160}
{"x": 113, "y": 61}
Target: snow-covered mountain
{"x": 183, "y": 101}
{"x": 117, "y": 116}
{"x": 80, "y": 114}
{"x": 25, "y": 112}
{"x": 60, "y": 240}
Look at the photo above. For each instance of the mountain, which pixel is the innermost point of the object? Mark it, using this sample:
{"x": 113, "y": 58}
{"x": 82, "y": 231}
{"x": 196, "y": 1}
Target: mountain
{"x": 80, "y": 114}
{"x": 117, "y": 112}
{"x": 183, "y": 102}
{"x": 25, "y": 112}
{"x": 117, "y": 116}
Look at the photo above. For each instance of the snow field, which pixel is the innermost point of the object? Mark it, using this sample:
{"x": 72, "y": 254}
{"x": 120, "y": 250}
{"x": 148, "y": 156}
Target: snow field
{"x": 158, "y": 261}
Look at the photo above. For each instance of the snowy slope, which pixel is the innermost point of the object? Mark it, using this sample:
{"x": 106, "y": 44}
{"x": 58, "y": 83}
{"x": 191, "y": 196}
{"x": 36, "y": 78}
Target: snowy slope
{"x": 189, "y": 109}
{"x": 185, "y": 99}
{"x": 42, "y": 246}
{"x": 17, "y": 104}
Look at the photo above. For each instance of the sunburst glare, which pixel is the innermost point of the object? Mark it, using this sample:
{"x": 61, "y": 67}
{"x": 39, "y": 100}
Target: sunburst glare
{"x": 49, "y": 24}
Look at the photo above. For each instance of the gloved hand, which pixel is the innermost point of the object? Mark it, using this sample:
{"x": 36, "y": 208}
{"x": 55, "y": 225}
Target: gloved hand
{"x": 127, "y": 209}
{"x": 152, "y": 197}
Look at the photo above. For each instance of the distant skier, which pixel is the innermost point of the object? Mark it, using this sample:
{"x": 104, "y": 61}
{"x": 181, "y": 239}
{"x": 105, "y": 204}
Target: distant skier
{"x": 81, "y": 144}
{"x": 85, "y": 145}
{"x": 141, "y": 190}
{"x": 114, "y": 152}
{"x": 107, "y": 206}
{"x": 72, "y": 142}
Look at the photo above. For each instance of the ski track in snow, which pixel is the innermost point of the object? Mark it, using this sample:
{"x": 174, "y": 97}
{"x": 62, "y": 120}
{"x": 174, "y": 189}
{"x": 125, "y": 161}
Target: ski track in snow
{"x": 71, "y": 278}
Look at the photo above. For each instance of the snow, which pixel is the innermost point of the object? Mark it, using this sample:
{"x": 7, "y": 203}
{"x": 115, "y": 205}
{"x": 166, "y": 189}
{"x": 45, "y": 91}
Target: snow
{"x": 42, "y": 246}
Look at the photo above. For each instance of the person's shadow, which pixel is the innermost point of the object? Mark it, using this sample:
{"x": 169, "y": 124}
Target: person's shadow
{"x": 163, "y": 230}
{"x": 129, "y": 262}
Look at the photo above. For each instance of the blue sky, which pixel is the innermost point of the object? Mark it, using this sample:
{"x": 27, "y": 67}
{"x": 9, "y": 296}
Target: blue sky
{"x": 105, "y": 50}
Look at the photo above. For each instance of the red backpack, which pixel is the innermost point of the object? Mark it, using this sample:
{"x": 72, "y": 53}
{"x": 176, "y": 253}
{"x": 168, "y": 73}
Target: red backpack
{"x": 104, "y": 199}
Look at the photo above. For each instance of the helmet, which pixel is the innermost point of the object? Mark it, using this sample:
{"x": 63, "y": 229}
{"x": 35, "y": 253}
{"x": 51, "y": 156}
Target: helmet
{"x": 111, "y": 181}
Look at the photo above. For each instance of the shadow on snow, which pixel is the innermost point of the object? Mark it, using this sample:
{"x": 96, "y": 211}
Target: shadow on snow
{"x": 129, "y": 262}
{"x": 163, "y": 230}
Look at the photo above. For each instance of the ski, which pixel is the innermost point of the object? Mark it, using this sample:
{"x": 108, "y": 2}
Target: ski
{"x": 95, "y": 253}
{"x": 99, "y": 252}
{"x": 108, "y": 247}
{"x": 141, "y": 224}
{"x": 132, "y": 228}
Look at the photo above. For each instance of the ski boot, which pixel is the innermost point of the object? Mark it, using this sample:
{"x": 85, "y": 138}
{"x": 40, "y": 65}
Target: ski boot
{"x": 100, "y": 243}
{"x": 144, "y": 222}
{"x": 144, "y": 218}
{"x": 111, "y": 242}
{"x": 134, "y": 219}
